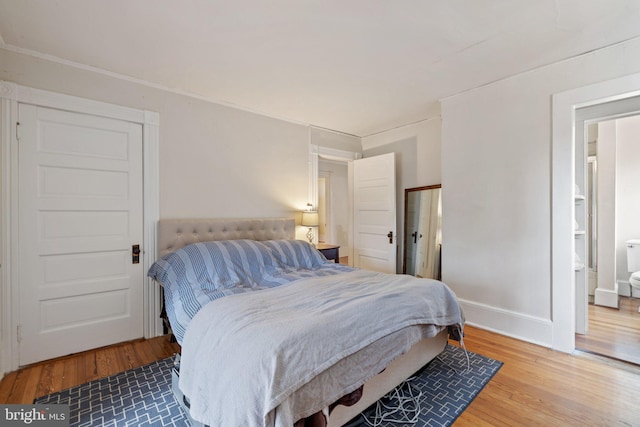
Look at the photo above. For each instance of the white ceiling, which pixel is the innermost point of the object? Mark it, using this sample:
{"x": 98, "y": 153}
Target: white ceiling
{"x": 355, "y": 66}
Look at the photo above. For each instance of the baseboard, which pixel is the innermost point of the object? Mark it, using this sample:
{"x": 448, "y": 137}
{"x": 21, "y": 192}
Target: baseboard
{"x": 624, "y": 288}
{"x": 524, "y": 327}
{"x": 607, "y": 297}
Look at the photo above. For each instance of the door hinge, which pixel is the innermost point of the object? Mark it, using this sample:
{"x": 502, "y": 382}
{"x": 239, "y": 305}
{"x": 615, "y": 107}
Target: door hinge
{"x": 18, "y": 131}
{"x": 19, "y": 333}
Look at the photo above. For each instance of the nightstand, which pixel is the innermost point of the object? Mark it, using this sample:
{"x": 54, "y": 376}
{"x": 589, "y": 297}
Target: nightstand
{"x": 330, "y": 252}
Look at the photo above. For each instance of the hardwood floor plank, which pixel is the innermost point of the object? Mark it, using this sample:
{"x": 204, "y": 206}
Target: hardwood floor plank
{"x": 483, "y": 415}
{"x": 127, "y": 356}
{"x": 24, "y": 389}
{"x": 144, "y": 353}
{"x": 107, "y": 362}
{"x": 51, "y": 378}
{"x": 613, "y": 332}
{"x": 70, "y": 376}
{"x": 507, "y": 412}
{"x": 163, "y": 349}
{"x": 88, "y": 365}
{"x": 6, "y": 386}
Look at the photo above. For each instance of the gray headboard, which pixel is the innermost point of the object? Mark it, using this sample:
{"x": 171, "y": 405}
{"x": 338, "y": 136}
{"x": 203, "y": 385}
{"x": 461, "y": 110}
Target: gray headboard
{"x": 176, "y": 233}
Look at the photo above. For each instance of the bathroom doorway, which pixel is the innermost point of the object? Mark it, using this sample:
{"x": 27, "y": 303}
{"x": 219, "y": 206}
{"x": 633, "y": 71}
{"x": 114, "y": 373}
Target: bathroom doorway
{"x": 613, "y": 206}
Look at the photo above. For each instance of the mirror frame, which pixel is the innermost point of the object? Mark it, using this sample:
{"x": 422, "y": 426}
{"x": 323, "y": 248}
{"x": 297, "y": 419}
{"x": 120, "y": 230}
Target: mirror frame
{"x": 404, "y": 224}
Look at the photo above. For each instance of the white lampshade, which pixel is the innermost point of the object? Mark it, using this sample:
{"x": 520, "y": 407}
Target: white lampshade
{"x": 309, "y": 218}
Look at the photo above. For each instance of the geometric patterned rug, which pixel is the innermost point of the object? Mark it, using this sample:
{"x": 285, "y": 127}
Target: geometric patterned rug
{"x": 437, "y": 395}
{"x": 143, "y": 396}
{"x": 137, "y": 397}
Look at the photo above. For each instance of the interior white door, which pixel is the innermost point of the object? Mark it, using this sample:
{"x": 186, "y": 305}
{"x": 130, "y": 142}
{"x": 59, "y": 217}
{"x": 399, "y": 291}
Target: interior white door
{"x": 80, "y": 210}
{"x": 374, "y": 202}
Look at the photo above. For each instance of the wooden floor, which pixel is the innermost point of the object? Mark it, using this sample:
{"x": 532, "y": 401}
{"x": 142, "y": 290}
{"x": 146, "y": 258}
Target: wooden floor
{"x": 43, "y": 378}
{"x": 613, "y": 332}
{"x": 535, "y": 387}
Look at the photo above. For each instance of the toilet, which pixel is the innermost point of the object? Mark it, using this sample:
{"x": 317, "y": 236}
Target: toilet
{"x": 633, "y": 262}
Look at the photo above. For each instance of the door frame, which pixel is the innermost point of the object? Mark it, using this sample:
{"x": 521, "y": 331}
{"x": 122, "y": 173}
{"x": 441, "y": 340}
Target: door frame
{"x": 316, "y": 152}
{"x": 327, "y": 215}
{"x": 12, "y": 94}
{"x": 564, "y": 106}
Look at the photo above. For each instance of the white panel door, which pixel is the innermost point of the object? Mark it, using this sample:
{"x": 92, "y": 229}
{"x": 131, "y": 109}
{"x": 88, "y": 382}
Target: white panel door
{"x": 374, "y": 194}
{"x": 80, "y": 204}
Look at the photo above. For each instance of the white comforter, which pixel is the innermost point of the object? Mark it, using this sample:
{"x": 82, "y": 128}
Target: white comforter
{"x": 247, "y": 358}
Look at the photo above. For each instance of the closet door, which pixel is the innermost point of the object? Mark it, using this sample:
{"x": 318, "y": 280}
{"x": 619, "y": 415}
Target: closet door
{"x": 80, "y": 213}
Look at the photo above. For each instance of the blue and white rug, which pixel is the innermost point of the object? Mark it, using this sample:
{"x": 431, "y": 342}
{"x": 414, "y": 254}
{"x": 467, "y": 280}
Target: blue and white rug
{"x": 143, "y": 397}
{"x": 436, "y": 396}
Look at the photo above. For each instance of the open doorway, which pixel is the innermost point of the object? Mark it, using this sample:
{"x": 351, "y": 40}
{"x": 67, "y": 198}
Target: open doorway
{"x": 333, "y": 205}
{"x": 610, "y": 179}
{"x": 323, "y": 208}
{"x": 622, "y": 92}
{"x": 374, "y": 180}
{"x": 333, "y": 162}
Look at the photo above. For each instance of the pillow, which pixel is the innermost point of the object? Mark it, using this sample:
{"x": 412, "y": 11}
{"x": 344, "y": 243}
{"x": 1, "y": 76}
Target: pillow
{"x": 296, "y": 253}
{"x": 217, "y": 265}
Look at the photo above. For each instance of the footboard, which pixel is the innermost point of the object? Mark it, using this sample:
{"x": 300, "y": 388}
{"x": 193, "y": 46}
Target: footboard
{"x": 397, "y": 371}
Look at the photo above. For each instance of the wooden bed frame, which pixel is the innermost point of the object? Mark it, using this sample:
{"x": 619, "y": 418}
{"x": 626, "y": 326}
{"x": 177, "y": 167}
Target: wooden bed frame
{"x": 176, "y": 233}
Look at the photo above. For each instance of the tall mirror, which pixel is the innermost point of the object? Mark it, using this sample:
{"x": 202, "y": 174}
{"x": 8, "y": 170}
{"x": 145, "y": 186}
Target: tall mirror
{"x": 422, "y": 237}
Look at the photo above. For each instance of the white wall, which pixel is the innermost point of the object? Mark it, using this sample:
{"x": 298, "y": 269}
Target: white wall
{"x": 607, "y": 288}
{"x": 425, "y": 168}
{"x": 496, "y": 177}
{"x": 215, "y": 161}
{"x": 417, "y": 148}
{"x": 336, "y": 140}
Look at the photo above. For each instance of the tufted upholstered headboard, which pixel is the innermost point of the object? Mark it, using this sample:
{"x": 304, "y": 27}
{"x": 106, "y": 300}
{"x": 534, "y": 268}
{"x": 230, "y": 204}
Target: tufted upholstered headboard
{"x": 176, "y": 233}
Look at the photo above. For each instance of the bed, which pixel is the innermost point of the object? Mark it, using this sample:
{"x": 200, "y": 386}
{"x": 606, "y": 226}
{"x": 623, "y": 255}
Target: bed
{"x": 274, "y": 334}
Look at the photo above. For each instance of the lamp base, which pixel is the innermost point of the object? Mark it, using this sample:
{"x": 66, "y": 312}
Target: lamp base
{"x": 310, "y": 235}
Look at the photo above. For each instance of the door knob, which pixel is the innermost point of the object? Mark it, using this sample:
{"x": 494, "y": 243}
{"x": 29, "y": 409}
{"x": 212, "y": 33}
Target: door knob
{"x": 135, "y": 254}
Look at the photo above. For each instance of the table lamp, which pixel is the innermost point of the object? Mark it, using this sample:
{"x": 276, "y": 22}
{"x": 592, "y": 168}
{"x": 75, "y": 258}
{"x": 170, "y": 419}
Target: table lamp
{"x": 310, "y": 219}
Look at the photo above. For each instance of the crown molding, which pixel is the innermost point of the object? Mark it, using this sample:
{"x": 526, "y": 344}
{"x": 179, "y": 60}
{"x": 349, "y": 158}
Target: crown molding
{"x": 8, "y": 90}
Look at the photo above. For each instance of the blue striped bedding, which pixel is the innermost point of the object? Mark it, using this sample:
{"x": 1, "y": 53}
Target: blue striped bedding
{"x": 197, "y": 274}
